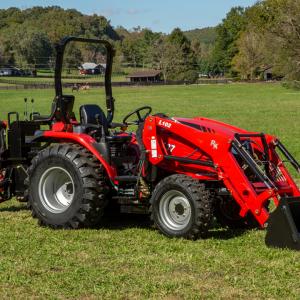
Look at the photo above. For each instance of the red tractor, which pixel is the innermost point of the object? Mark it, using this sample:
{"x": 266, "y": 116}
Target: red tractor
{"x": 184, "y": 172}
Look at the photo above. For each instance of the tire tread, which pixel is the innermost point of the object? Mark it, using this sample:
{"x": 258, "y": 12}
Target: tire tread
{"x": 93, "y": 183}
{"x": 202, "y": 203}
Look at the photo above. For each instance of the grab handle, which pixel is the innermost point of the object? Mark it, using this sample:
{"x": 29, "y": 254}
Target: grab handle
{"x": 14, "y": 113}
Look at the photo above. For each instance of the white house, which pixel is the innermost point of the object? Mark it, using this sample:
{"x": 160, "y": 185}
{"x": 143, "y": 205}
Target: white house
{"x": 92, "y": 69}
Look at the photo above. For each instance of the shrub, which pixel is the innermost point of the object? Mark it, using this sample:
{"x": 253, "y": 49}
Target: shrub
{"x": 294, "y": 84}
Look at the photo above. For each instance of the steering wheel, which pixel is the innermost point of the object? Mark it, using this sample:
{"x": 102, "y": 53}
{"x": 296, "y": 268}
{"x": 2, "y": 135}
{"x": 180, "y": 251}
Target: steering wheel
{"x": 138, "y": 113}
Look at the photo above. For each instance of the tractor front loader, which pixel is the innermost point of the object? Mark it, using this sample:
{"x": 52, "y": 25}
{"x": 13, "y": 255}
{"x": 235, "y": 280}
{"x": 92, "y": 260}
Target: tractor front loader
{"x": 182, "y": 172}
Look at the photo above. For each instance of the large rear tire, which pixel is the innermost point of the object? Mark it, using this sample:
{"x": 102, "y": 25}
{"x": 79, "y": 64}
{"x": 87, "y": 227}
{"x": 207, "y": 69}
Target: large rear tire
{"x": 182, "y": 207}
{"x": 67, "y": 187}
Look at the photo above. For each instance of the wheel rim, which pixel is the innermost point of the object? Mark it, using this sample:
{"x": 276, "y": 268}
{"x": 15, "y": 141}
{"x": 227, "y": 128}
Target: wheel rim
{"x": 175, "y": 210}
{"x": 56, "y": 189}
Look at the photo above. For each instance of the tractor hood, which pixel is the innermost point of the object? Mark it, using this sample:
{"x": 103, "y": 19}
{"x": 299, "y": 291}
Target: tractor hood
{"x": 211, "y": 126}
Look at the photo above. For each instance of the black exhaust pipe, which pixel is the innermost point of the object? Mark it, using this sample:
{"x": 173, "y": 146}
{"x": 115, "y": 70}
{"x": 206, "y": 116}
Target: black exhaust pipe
{"x": 283, "y": 230}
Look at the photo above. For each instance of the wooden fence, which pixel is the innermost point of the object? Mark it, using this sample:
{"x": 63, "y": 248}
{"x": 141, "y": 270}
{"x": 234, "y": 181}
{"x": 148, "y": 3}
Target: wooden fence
{"x": 19, "y": 85}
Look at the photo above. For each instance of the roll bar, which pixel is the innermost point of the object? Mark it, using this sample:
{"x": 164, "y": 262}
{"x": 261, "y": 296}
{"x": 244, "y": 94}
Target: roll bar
{"x": 60, "y": 50}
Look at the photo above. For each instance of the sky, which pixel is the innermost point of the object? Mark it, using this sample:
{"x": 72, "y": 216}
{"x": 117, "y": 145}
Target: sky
{"x": 158, "y": 15}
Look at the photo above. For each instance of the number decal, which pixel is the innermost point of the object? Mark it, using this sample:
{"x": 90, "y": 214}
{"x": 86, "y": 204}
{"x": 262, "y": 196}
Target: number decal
{"x": 164, "y": 124}
{"x": 171, "y": 147}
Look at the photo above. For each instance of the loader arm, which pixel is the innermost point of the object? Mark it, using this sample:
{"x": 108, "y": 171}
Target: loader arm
{"x": 224, "y": 156}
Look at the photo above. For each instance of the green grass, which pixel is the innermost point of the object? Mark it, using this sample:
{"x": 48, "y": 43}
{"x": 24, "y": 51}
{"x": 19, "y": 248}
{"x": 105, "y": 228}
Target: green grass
{"x": 132, "y": 260}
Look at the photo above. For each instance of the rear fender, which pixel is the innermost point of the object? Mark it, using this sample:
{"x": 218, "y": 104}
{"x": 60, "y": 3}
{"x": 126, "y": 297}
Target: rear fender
{"x": 84, "y": 140}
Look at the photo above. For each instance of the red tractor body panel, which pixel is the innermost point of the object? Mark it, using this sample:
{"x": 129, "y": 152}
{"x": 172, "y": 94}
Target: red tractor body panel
{"x": 84, "y": 140}
{"x": 87, "y": 142}
{"x": 188, "y": 146}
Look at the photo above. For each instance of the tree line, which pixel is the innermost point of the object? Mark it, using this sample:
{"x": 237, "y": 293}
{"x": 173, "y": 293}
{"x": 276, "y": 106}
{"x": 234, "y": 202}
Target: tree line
{"x": 27, "y": 38}
{"x": 266, "y": 35}
{"x": 247, "y": 42}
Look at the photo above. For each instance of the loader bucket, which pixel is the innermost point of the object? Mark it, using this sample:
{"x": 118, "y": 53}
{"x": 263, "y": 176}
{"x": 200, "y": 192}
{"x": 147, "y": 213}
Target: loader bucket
{"x": 283, "y": 229}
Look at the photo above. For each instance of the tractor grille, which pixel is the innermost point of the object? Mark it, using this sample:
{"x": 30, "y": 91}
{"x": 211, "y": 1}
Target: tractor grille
{"x": 276, "y": 174}
{"x": 198, "y": 127}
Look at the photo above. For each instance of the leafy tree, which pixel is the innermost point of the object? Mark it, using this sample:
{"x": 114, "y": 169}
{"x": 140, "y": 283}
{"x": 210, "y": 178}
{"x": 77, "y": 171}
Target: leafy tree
{"x": 184, "y": 63}
{"x": 160, "y": 57}
{"x": 33, "y": 48}
{"x": 118, "y": 59}
{"x": 27, "y": 36}
{"x": 280, "y": 23}
{"x": 204, "y": 35}
{"x": 228, "y": 34}
{"x": 132, "y": 51}
{"x": 73, "y": 57}
{"x": 271, "y": 38}
{"x": 136, "y": 46}
{"x": 178, "y": 37}
{"x": 2, "y": 58}
{"x": 174, "y": 56}
{"x": 148, "y": 40}
{"x": 251, "y": 56}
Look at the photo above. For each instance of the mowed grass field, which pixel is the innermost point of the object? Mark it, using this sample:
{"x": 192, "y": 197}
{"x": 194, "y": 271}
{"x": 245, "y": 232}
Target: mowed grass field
{"x": 127, "y": 258}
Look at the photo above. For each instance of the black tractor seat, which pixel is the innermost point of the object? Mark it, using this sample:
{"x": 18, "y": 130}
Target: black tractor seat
{"x": 36, "y": 117}
{"x": 92, "y": 115}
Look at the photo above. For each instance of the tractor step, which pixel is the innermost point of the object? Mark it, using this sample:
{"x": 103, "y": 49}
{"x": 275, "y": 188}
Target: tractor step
{"x": 127, "y": 178}
{"x": 129, "y": 209}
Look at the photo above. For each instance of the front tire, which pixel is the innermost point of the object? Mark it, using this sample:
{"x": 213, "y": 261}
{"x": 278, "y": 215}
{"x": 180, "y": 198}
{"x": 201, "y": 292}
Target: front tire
{"x": 67, "y": 187}
{"x": 182, "y": 207}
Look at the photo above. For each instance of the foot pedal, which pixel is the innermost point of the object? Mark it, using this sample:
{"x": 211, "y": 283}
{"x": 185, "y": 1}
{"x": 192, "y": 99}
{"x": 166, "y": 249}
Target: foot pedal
{"x": 22, "y": 199}
{"x": 283, "y": 229}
